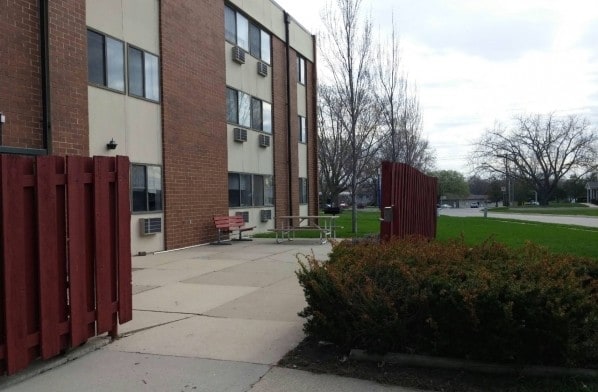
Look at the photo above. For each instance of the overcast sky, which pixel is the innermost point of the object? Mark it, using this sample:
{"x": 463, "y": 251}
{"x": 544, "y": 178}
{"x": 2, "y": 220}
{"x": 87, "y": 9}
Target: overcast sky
{"x": 476, "y": 62}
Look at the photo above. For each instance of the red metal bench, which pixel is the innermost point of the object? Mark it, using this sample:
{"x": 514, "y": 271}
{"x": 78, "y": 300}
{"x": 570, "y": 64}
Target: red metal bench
{"x": 228, "y": 224}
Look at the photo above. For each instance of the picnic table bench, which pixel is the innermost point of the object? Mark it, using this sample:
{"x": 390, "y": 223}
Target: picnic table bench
{"x": 227, "y": 225}
{"x": 324, "y": 224}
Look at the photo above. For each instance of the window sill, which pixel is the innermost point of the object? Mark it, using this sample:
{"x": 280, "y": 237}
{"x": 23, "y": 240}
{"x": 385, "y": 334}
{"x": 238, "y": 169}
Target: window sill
{"x": 102, "y": 87}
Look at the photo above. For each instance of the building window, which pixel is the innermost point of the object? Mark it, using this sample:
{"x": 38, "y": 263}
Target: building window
{"x": 256, "y": 113}
{"x": 239, "y": 31}
{"x": 105, "y": 61}
{"x": 244, "y": 110}
{"x": 265, "y": 47}
{"x": 255, "y": 40}
{"x": 143, "y": 74}
{"x": 146, "y": 185}
{"x": 302, "y": 190}
{"x": 250, "y": 190}
{"x": 266, "y": 117}
{"x": 248, "y": 111}
{"x": 232, "y": 106}
{"x": 230, "y": 25}
{"x": 301, "y": 78}
{"x": 268, "y": 191}
{"x": 302, "y": 129}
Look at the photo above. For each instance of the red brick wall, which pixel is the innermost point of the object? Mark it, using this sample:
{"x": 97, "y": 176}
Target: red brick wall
{"x": 68, "y": 77}
{"x": 20, "y": 80}
{"x": 279, "y": 107}
{"x": 312, "y": 139}
{"x": 194, "y": 115}
{"x": 20, "y": 75}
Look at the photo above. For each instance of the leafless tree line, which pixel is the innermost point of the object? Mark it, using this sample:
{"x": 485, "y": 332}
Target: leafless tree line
{"x": 368, "y": 111}
{"x": 538, "y": 150}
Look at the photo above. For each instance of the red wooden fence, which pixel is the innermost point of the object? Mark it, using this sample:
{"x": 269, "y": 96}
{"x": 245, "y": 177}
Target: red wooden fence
{"x": 409, "y": 197}
{"x": 65, "y": 254}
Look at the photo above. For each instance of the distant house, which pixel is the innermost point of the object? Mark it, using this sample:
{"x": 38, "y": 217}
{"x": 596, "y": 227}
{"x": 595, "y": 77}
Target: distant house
{"x": 592, "y": 192}
{"x": 465, "y": 202}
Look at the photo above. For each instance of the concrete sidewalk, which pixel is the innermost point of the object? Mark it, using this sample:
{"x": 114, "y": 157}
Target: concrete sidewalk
{"x": 208, "y": 318}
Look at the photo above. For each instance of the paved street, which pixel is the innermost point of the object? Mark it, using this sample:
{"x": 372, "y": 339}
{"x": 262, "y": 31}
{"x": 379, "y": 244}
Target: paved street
{"x": 565, "y": 220}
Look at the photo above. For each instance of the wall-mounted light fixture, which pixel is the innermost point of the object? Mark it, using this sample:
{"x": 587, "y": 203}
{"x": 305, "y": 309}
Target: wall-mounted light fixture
{"x": 111, "y": 145}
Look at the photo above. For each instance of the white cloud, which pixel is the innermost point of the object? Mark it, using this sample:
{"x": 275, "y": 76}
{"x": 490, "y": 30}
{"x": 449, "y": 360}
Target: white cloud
{"x": 476, "y": 62}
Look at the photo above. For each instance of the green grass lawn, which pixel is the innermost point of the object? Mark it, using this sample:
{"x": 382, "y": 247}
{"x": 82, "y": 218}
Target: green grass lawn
{"x": 581, "y": 241}
{"x": 575, "y": 240}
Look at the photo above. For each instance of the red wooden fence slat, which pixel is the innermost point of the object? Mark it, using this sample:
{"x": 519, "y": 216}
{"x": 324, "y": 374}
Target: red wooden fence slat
{"x": 413, "y": 197}
{"x": 102, "y": 245}
{"x": 78, "y": 250}
{"x": 15, "y": 281}
{"x": 125, "y": 289}
{"x": 56, "y": 284}
{"x": 49, "y": 265}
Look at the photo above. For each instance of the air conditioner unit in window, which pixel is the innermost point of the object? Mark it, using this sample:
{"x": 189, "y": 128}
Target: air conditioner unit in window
{"x": 262, "y": 68}
{"x": 238, "y": 55}
{"x": 149, "y": 226}
{"x": 244, "y": 214}
{"x": 264, "y": 141}
{"x": 240, "y": 134}
{"x": 265, "y": 215}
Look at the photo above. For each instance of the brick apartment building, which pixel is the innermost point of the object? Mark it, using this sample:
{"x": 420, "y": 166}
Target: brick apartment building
{"x": 213, "y": 101}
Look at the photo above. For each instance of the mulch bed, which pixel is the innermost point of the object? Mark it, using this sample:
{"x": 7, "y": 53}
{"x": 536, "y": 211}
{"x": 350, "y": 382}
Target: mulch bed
{"x": 316, "y": 357}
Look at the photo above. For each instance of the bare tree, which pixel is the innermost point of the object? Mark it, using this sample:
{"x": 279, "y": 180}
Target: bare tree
{"x": 346, "y": 45}
{"x": 539, "y": 150}
{"x": 401, "y": 114}
{"x": 334, "y": 147}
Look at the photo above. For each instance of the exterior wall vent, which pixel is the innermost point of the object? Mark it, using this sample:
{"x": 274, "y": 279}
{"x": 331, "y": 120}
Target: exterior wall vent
{"x": 149, "y": 226}
{"x": 264, "y": 141}
{"x": 238, "y": 55}
{"x": 240, "y": 135}
{"x": 244, "y": 214}
{"x": 262, "y": 68}
{"x": 265, "y": 215}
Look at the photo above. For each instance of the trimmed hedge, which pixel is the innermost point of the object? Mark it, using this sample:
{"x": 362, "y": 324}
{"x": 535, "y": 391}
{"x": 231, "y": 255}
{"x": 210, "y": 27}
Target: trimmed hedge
{"x": 487, "y": 302}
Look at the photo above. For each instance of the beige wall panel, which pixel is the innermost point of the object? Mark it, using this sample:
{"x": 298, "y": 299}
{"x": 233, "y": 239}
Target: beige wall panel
{"x": 301, "y": 100}
{"x": 133, "y": 123}
{"x": 244, "y": 77}
{"x": 106, "y": 16}
{"x": 107, "y": 120}
{"x": 141, "y": 24}
{"x": 145, "y": 243}
{"x": 144, "y": 131}
{"x": 249, "y": 157}
{"x": 301, "y": 41}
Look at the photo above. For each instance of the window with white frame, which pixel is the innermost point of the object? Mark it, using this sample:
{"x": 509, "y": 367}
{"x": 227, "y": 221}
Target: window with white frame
{"x": 303, "y": 190}
{"x": 301, "y": 73}
{"x": 146, "y": 187}
{"x": 105, "y": 61}
{"x": 250, "y": 190}
{"x": 302, "y": 129}
{"x": 143, "y": 74}
{"x": 247, "y": 111}
{"x": 238, "y": 30}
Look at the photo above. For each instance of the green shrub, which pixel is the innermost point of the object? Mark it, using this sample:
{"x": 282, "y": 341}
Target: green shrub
{"x": 486, "y": 302}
